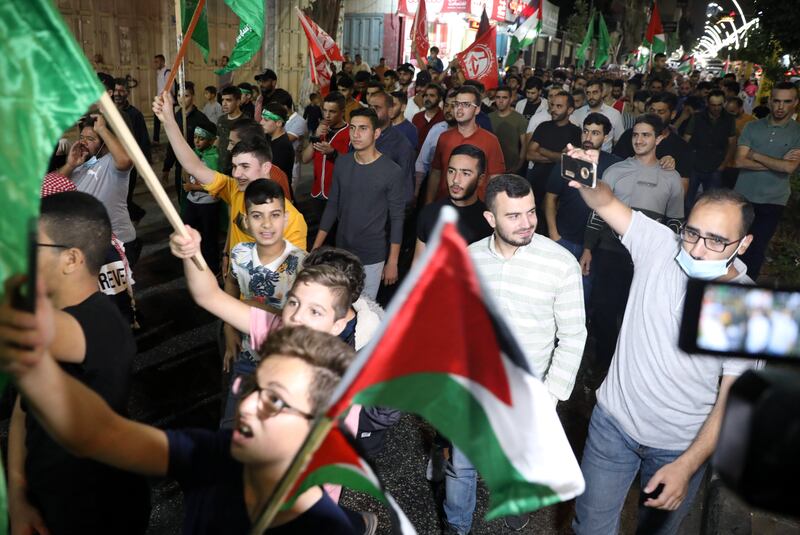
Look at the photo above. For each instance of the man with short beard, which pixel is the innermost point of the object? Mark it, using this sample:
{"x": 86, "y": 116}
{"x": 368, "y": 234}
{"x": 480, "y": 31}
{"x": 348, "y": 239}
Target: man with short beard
{"x": 140, "y": 134}
{"x": 397, "y": 117}
{"x": 432, "y": 114}
{"x": 428, "y": 147}
{"x": 767, "y": 155}
{"x": 509, "y": 126}
{"x": 594, "y": 101}
{"x": 393, "y": 144}
{"x": 548, "y": 313}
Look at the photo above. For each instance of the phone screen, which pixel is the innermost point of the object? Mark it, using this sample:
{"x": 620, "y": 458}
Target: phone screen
{"x": 748, "y": 320}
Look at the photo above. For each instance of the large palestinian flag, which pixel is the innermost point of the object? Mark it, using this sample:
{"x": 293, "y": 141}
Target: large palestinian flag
{"x": 527, "y": 32}
{"x": 444, "y": 354}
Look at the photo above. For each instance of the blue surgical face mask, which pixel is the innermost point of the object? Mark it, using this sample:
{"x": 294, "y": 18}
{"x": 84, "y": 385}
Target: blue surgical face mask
{"x": 91, "y": 162}
{"x": 704, "y": 269}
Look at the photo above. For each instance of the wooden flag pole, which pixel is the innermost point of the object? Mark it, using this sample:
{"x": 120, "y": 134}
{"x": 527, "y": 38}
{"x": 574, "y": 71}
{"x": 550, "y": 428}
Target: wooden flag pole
{"x": 319, "y": 430}
{"x": 185, "y": 44}
{"x": 125, "y": 137}
{"x": 179, "y": 37}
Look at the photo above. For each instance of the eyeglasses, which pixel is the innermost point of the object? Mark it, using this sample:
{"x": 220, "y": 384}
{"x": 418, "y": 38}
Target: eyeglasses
{"x": 711, "y": 243}
{"x": 463, "y": 104}
{"x": 272, "y": 403}
{"x": 55, "y": 245}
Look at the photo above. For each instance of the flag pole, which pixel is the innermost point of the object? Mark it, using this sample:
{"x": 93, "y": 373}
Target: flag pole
{"x": 319, "y": 429}
{"x": 179, "y": 38}
{"x": 185, "y": 44}
{"x": 125, "y": 137}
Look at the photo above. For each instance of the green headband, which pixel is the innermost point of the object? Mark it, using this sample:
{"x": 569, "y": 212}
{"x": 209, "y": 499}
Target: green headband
{"x": 245, "y": 91}
{"x": 201, "y": 132}
{"x": 269, "y": 116}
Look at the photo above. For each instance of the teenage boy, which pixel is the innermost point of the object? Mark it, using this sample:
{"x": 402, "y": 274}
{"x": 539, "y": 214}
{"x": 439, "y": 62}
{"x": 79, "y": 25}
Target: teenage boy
{"x": 231, "y": 99}
{"x": 262, "y": 272}
{"x": 51, "y": 488}
{"x": 510, "y": 128}
{"x": 273, "y": 120}
{"x": 367, "y": 196}
{"x": 226, "y": 476}
{"x": 212, "y": 109}
{"x": 202, "y": 209}
{"x": 329, "y": 141}
{"x": 251, "y": 161}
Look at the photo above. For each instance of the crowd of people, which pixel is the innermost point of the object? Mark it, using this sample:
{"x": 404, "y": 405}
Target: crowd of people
{"x": 689, "y": 185}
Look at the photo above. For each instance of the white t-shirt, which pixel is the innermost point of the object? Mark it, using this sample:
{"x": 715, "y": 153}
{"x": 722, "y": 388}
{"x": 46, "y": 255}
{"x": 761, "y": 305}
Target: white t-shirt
{"x": 617, "y": 126}
{"x": 297, "y": 126}
{"x": 658, "y": 394}
{"x": 110, "y": 186}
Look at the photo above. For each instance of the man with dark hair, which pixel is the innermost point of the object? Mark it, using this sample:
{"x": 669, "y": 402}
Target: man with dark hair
{"x": 546, "y": 145}
{"x": 348, "y": 90}
{"x": 659, "y": 72}
{"x": 267, "y": 84}
{"x": 767, "y": 155}
{"x": 711, "y": 135}
{"x": 434, "y": 61}
{"x": 564, "y": 209}
{"x": 331, "y": 140}
{"x": 644, "y": 185}
{"x": 99, "y": 165}
{"x": 195, "y": 119}
{"x": 225, "y": 79}
{"x": 51, "y": 490}
{"x": 389, "y": 80}
{"x": 595, "y": 104}
{"x": 399, "y": 121}
{"x": 465, "y": 170}
{"x": 672, "y": 151}
{"x": 296, "y": 128}
{"x": 428, "y": 148}
{"x": 372, "y": 87}
{"x": 393, "y": 143}
{"x": 659, "y": 411}
{"x": 251, "y": 160}
{"x": 548, "y": 313}
{"x": 162, "y": 74}
{"x": 579, "y": 97}
{"x": 466, "y": 107}
{"x": 212, "y": 109}
{"x": 405, "y": 75}
{"x": 231, "y": 98}
{"x": 509, "y": 126}
{"x": 431, "y": 114}
{"x": 735, "y": 107}
{"x": 246, "y": 104}
{"x": 140, "y": 134}
{"x": 273, "y": 121}
{"x": 380, "y": 69}
{"x": 368, "y": 217}
{"x": 360, "y": 65}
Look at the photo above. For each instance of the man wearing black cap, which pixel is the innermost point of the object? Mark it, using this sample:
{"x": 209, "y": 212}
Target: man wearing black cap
{"x": 267, "y": 82}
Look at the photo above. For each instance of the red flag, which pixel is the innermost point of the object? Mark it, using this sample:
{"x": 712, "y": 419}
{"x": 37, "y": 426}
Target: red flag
{"x": 321, "y": 51}
{"x": 419, "y": 35}
{"x": 654, "y": 27}
{"x": 479, "y": 60}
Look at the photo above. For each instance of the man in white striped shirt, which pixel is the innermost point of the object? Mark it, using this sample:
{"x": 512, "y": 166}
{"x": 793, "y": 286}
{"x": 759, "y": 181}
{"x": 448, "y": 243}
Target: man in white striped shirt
{"x": 537, "y": 287}
{"x": 535, "y": 282}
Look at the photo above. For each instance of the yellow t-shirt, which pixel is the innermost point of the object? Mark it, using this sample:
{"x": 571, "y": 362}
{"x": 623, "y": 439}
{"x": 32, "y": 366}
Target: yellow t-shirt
{"x": 226, "y": 188}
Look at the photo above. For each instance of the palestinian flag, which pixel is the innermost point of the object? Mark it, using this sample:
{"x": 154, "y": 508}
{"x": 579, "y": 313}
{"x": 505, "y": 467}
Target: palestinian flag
{"x": 337, "y": 461}
{"x": 686, "y": 65}
{"x": 655, "y": 39}
{"x": 445, "y": 354}
{"x": 527, "y": 32}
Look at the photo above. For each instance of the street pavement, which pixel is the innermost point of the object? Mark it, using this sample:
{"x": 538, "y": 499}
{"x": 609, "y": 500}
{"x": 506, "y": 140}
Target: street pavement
{"x": 178, "y": 382}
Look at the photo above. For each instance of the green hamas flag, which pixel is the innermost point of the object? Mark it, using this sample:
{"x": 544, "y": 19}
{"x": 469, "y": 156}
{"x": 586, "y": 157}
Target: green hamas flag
{"x": 587, "y": 40}
{"x": 41, "y": 63}
{"x": 251, "y": 32}
{"x": 603, "y": 43}
{"x": 200, "y": 34}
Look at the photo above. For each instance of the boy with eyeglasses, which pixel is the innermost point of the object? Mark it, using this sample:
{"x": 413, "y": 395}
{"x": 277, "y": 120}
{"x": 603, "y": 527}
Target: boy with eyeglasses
{"x": 659, "y": 410}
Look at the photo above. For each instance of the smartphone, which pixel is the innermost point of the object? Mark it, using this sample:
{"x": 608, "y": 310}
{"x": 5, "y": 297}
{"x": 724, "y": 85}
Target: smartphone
{"x": 579, "y": 171}
{"x": 314, "y": 139}
{"x": 24, "y": 297}
{"x": 729, "y": 319}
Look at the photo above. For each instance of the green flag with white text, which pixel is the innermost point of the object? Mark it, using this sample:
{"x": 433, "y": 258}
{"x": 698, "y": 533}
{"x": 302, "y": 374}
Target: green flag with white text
{"x": 41, "y": 63}
{"x": 603, "y": 43}
{"x": 251, "y": 32}
{"x": 200, "y": 34}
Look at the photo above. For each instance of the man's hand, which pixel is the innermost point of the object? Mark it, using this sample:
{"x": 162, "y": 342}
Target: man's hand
{"x": 390, "y": 273}
{"x": 182, "y": 247}
{"x": 587, "y": 155}
{"x": 233, "y": 345}
{"x": 793, "y": 154}
{"x": 667, "y": 163}
{"x": 100, "y": 125}
{"x": 78, "y": 153}
{"x": 25, "y": 518}
{"x": 675, "y": 477}
{"x": 323, "y": 129}
{"x": 24, "y": 337}
{"x": 324, "y": 147}
{"x": 586, "y": 262}
{"x": 163, "y": 107}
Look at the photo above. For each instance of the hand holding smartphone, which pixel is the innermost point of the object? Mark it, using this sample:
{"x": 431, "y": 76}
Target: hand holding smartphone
{"x": 583, "y": 172}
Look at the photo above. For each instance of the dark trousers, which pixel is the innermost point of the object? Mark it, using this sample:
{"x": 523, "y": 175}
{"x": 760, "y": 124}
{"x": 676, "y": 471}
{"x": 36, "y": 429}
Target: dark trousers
{"x": 135, "y": 211}
{"x": 205, "y": 219}
{"x": 709, "y": 180}
{"x": 156, "y": 129}
{"x": 539, "y": 186}
{"x": 729, "y": 177}
{"x": 764, "y": 226}
{"x": 132, "y": 251}
{"x": 613, "y": 272}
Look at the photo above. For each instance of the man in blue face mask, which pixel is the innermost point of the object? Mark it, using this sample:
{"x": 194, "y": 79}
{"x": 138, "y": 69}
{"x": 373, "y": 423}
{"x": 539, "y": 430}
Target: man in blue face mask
{"x": 659, "y": 410}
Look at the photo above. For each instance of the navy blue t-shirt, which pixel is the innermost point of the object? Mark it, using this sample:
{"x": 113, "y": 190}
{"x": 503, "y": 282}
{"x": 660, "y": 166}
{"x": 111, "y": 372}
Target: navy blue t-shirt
{"x": 213, "y": 490}
{"x": 572, "y": 210}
